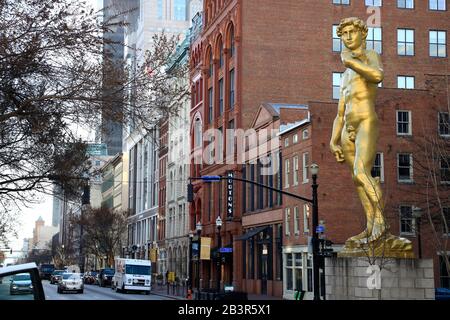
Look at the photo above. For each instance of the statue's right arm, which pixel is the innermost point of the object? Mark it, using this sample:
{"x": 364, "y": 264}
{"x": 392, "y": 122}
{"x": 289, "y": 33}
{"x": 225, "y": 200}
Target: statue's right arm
{"x": 338, "y": 125}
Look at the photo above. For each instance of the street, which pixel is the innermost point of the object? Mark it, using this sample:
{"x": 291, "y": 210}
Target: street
{"x": 94, "y": 292}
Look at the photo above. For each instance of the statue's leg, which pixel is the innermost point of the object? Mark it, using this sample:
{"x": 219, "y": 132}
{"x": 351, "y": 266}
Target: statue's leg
{"x": 365, "y": 145}
{"x": 348, "y": 148}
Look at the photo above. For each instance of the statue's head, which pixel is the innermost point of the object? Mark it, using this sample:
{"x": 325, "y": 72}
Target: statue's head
{"x": 353, "y": 32}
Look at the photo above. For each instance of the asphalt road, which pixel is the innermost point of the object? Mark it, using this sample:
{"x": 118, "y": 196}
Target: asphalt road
{"x": 94, "y": 292}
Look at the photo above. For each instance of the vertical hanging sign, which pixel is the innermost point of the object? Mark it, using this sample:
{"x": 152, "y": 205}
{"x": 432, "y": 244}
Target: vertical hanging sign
{"x": 230, "y": 195}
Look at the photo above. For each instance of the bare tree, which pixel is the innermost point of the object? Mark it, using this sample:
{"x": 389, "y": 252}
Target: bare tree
{"x": 103, "y": 231}
{"x": 52, "y": 74}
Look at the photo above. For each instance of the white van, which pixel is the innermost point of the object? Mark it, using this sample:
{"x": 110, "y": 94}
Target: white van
{"x": 132, "y": 274}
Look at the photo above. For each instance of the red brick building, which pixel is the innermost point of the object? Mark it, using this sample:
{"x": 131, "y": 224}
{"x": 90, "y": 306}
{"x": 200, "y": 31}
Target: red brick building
{"x": 257, "y": 51}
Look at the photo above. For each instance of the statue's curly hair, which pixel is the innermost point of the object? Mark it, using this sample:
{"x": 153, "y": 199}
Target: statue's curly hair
{"x": 357, "y": 22}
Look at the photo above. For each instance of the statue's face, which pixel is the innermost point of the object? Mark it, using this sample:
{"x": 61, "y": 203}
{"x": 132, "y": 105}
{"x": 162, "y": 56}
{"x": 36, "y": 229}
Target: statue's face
{"x": 352, "y": 37}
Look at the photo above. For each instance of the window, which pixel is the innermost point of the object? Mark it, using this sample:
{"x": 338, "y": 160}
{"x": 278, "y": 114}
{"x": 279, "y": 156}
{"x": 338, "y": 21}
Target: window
{"x": 403, "y": 123}
{"x": 443, "y": 274}
{"x": 220, "y": 97}
{"x": 437, "y": 5}
{"x": 405, "y": 82}
{"x": 306, "y": 214}
{"x": 405, "y": 42}
{"x": 160, "y": 10}
{"x": 232, "y": 89}
{"x": 404, "y": 166}
{"x": 294, "y": 271}
{"x": 296, "y": 221}
{"x": 337, "y": 42}
{"x": 211, "y": 64}
{"x": 346, "y": 2}
{"x": 438, "y": 43}
{"x": 287, "y": 218}
{"x": 337, "y": 76}
{"x": 444, "y": 124}
{"x": 179, "y": 10}
{"x": 374, "y": 39}
{"x": 405, "y": 4}
{"x": 221, "y": 55}
{"x": 286, "y": 173}
{"x": 378, "y": 167}
{"x": 286, "y": 142}
{"x": 232, "y": 47}
{"x": 305, "y": 134}
{"x": 445, "y": 170}
{"x": 446, "y": 221}
{"x": 295, "y": 138}
{"x": 211, "y": 104}
{"x": 305, "y": 167}
{"x": 407, "y": 225}
{"x": 373, "y": 3}
{"x": 289, "y": 271}
{"x": 295, "y": 178}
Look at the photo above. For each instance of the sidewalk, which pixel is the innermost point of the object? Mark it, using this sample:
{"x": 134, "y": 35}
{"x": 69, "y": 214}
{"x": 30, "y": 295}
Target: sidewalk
{"x": 162, "y": 291}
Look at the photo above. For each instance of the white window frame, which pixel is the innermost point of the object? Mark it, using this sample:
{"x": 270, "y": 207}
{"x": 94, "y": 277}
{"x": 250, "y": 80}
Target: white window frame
{"x": 296, "y": 221}
{"x": 336, "y": 86}
{"x": 305, "y": 134}
{"x": 295, "y": 171}
{"x": 381, "y": 166}
{"x": 287, "y": 218}
{"x": 306, "y": 215}
{"x": 411, "y": 176}
{"x": 406, "y": 78}
{"x": 406, "y": 5}
{"x": 286, "y": 142}
{"x": 409, "y": 133}
{"x": 295, "y": 138}
{"x": 305, "y": 167}
{"x": 286, "y": 173}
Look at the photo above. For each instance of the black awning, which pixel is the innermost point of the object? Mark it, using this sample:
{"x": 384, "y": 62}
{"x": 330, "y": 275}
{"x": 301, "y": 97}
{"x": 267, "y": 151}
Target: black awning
{"x": 251, "y": 233}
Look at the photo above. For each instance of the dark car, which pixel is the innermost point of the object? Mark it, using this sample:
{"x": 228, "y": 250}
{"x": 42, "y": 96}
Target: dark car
{"x": 56, "y": 276}
{"x": 46, "y": 270}
{"x": 105, "y": 277}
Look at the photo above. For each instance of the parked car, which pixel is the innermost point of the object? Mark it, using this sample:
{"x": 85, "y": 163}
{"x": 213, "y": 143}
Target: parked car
{"x": 21, "y": 278}
{"x": 70, "y": 282}
{"x": 56, "y": 276}
{"x": 105, "y": 277}
{"x": 21, "y": 284}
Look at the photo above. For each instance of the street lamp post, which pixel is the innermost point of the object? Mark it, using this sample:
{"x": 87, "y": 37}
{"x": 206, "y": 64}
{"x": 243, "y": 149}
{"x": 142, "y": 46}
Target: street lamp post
{"x": 315, "y": 238}
{"x": 199, "y": 232}
{"x": 191, "y": 237}
{"x": 417, "y": 214}
{"x": 219, "y": 244}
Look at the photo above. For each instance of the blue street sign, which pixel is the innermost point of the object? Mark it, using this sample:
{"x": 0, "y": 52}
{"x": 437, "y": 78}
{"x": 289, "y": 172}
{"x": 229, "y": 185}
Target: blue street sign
{"x": 226, "y": 250}
{"x": 320, "y": 229}
{"x": 211, "y": 178}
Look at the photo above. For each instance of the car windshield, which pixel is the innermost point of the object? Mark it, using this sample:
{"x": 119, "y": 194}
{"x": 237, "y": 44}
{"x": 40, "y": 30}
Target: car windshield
{"x": 133, "y": 269}
{"x": 58, "y": 272}
{"x": 71, "y": 276}
{"x": 109, "y": 271}
{"x": 21, "y": 277}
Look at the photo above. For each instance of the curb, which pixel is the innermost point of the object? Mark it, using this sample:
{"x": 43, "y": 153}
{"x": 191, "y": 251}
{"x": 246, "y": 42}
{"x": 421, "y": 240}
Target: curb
{"x": 167, "y": 296}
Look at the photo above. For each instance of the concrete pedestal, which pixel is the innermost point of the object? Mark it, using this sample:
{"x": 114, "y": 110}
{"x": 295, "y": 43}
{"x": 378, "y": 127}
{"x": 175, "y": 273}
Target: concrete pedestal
{"x": 401, "y": 279}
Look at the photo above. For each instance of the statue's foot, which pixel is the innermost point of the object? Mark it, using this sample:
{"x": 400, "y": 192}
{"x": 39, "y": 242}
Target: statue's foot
{"x": 363, "y": 235}
{"x": 379, "y": 231}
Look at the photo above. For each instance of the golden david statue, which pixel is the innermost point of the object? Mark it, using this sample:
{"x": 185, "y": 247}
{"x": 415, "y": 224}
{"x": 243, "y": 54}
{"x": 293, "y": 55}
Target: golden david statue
{"x": 354, "y": 139}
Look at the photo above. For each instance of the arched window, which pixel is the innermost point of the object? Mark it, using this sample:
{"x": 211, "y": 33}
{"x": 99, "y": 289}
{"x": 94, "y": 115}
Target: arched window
{"x": 220, "y": 51}
{"x": 232, "y": 42}
{"x": 198, "y": 132}
{"x": 211, "y": 64}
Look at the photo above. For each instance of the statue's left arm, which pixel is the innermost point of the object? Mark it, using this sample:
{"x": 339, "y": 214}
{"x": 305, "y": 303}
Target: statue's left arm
{"x": 372, "y": 71}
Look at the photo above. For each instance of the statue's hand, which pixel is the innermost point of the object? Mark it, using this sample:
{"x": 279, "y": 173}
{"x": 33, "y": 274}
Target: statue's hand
{"x": 347, "y": 58}
{"x": 337, "y": 151}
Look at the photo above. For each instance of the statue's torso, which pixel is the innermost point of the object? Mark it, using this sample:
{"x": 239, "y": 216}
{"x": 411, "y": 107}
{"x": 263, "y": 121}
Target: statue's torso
{"x": 359, "y": 98}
